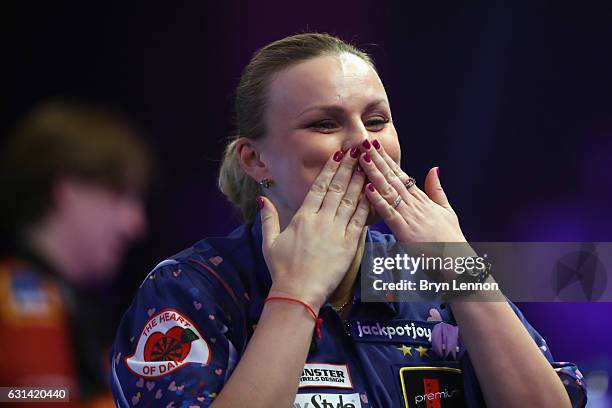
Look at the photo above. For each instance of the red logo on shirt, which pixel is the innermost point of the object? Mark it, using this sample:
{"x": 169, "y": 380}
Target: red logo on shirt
{"x": 174, "y": 345}
{"x": 432, "y": 386}
{"x": 169, "y": 340}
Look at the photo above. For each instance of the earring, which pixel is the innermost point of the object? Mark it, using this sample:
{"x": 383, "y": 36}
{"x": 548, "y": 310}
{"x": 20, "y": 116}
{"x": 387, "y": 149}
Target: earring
{"x": 265, "y": 183}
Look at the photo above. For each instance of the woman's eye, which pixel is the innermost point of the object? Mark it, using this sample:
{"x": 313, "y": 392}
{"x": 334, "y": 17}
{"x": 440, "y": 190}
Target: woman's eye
{"x": 324, "y": 125}
{"x": 377, "y": 122}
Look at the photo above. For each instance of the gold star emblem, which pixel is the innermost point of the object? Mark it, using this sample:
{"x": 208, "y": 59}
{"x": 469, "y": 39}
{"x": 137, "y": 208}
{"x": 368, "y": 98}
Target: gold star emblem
{"x": 422, "y": 351}
{"x": 405, "y": 349}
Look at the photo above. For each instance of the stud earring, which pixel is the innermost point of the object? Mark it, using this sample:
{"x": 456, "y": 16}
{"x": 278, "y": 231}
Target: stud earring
{"x": 265, "y": 183}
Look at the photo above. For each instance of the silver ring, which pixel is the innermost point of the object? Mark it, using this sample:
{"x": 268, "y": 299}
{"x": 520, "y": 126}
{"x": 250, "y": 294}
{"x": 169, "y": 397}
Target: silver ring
{"x": 411, "y": 182}
{"x": 397, "y": 201}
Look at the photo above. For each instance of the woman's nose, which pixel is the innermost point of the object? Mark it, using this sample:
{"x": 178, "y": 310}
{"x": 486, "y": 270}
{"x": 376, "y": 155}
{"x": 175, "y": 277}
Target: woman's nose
{"x": 356, "y": 136}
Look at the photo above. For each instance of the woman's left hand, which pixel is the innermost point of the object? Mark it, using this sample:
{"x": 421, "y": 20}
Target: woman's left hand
{"x": 419, "y": 216}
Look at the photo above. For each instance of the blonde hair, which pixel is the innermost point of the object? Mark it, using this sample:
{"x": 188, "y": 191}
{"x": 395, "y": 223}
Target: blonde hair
{"x": 250, "y": 103}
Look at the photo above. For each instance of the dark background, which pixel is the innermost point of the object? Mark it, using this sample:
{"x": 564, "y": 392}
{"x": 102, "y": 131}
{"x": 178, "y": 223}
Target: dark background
{"x": 512, "y": 100}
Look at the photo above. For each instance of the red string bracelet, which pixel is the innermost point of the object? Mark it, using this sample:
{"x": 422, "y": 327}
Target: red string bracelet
{"x": 318, "y": 320}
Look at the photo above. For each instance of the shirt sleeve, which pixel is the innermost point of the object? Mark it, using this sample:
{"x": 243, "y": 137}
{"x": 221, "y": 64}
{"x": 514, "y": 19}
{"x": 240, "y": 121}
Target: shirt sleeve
{"x": 178, "y": 343}
{"x": 570, "y": 375}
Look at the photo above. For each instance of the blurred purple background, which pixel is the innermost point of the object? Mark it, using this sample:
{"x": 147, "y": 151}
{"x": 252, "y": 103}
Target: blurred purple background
{"x": 512, "y": 101}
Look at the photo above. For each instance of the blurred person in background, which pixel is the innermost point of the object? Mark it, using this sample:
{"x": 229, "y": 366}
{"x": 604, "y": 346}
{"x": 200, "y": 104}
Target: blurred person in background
{"x": 73, "y": 178}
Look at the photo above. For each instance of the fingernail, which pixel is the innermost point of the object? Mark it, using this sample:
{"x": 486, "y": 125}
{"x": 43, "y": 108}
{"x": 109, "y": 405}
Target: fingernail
{"x": 260, "y": 202}
{"x": 359, "y": 169}
{"x": 354, "y": 152}
{"x": 438, "y": 172}
{"x": 366, "y": 144}
{"x": 367, "y": 157}
{"x": 338, "y": 155}
{"x": 376, "y": 144}
{"x": 371, "y": 187}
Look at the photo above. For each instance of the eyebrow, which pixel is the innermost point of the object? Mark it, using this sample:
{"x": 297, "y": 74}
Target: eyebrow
{"x": 338, "y": 108}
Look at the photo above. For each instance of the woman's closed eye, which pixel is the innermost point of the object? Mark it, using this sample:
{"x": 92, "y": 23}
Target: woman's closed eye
{"x": 325, "y": 125}
{"x": 374, "y": 124}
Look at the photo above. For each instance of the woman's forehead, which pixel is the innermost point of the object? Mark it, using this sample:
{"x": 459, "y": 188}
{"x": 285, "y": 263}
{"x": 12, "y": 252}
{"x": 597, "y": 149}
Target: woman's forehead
{"x": 344, "y": 80}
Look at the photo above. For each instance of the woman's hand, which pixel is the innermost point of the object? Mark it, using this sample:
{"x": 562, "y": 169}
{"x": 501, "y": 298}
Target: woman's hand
{"x": 420, "y": 216}
{"x": 505, "y": 350}
{"x": 310, "y": 257}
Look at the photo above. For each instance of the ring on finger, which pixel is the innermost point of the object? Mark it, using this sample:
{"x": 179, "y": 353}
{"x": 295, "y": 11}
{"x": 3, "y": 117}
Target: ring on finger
{"x": 411, "y": 182}
{"x": 397, "y": 201}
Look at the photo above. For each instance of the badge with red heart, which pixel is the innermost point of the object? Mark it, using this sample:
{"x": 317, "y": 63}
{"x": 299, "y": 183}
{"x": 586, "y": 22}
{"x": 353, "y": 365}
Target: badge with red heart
{"x": 168, "y": 341}
{"x": 174, "y": 345}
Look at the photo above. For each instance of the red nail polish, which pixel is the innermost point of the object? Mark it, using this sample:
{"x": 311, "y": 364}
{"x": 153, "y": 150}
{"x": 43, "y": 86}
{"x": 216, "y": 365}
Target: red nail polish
{"x": 367, "y": 157}
{"x": 359, "y": 169}
{"x": 354, "y": 152}
{"x": 260, "y": 202}
{"x": 338, "y": 155}
{"x": 371, "y": 187}
{"x": 376, "y": 144}
{"x": 366, "y": 144}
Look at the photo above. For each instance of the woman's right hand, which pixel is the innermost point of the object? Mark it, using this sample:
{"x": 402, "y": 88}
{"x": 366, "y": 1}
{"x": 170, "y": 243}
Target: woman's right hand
{"x": 309, "y": 258}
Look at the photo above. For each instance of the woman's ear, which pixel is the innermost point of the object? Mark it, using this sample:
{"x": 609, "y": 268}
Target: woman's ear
{"x": 249, "y": 158}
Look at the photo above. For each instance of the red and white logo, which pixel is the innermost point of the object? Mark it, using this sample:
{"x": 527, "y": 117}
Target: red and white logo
{"x": 168, "y": 341}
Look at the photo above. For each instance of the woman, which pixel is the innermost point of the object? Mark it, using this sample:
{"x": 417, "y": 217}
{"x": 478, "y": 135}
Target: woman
{"x": 230, "y": 321}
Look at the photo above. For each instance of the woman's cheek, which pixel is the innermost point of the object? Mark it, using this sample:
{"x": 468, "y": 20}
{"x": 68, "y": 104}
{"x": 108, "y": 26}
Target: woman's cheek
{"x": 315, "y": 155}
{"x": 304, "y": 181}
{"x": 307, "y": 171}
{"x": 391, "y": 144}
{"x": 313, "y": 160}
{"x": 395, "y": 153}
